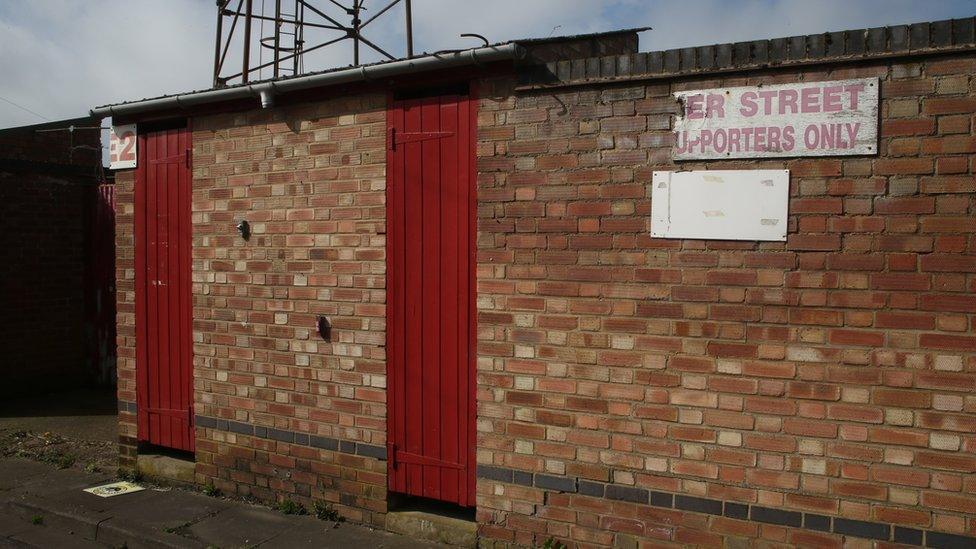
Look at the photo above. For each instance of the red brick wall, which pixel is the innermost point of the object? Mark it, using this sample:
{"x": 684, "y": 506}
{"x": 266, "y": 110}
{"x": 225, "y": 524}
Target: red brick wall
{"x": 311, "y": 182}
{"x": 125, "y": 309}
{"x": 272, "y": 398}
{"x": 832, "y": 374}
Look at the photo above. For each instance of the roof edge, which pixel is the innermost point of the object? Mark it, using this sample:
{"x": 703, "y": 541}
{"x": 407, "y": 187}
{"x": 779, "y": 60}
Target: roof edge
{"x": 266, "y": 91}
{"x": 52, "y": 124}
{"x": 566, "y": 38}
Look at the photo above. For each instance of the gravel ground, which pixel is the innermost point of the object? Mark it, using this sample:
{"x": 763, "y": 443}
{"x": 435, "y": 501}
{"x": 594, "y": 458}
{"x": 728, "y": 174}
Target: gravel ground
{"x": 68, "y": 430}
{"x": 60, "y": 451}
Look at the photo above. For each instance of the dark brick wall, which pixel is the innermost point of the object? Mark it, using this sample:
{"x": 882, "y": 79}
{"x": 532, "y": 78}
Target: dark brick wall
{"x": 46, "y": 196}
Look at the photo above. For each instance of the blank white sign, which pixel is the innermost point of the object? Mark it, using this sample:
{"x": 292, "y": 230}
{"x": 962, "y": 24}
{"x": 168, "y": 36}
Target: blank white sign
{"x": 720, "y": 204}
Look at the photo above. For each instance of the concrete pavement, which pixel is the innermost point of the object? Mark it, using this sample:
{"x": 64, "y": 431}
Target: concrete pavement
{"x": 46, "y": 507}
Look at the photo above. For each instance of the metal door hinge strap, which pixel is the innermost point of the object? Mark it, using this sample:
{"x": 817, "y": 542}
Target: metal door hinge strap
{"x": 397, "y": 456}
{"x": 182, "y": 414}
{"x": 412, "y": 137}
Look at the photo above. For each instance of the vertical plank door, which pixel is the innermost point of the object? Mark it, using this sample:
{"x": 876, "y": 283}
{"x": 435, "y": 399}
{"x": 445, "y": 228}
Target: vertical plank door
{"x": 164, "y": 356}
{"x": 430, "y": 309}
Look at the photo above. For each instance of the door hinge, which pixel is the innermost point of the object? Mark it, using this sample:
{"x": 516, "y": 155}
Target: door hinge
{"x": 395, "y": 457}
{"x": 393, "y": 138}
{"x": 170, "y": 412}
{"x": 189, "y": 159}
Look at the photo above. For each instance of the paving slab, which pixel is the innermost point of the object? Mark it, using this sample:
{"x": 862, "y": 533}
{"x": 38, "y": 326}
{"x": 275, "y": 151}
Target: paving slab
{"x": 44, "y": 536}
{"x": 57, "y": 481}
{"x": 169, "y": 510}
{"x": 80, "y": 521}
{"x": 11, "y": 524}
{"x": 15, "y": 472}
{"x": 324, "y": 534}
{"x": 241, "y": 527}
{"x": 74, "y": 496}
{"x": 156, "y": 518}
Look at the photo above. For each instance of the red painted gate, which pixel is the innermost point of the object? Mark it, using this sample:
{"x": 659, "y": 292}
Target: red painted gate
{"x": 164, "y": 368}
{"x": 430, "y": 310}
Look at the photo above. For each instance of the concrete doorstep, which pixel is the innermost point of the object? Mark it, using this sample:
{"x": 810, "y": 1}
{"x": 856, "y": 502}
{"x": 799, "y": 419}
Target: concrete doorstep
{"x": 45, "y": 507}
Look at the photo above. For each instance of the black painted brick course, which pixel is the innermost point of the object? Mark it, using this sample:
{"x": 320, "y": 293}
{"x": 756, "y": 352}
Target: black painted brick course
{"x": 698, "y": 505}
{"x": 941, "y": 540}
{"x": 589, "y": 488}
{"x": 776, "y": 516}
{"x": 820, "y": 523}
{"x": 558, "y": 483}
{"x": 738, "y": 511}
{"x": 626, "y": 493}
{"x": 303, "y": 439}
{"x": 908, "y": 536}
{"x": 861, "y": 529}
{"x": 522, "y": 478}
{"x": 662, "y": 499}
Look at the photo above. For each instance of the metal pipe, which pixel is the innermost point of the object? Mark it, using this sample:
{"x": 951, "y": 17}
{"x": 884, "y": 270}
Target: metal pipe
{"x": 230, "y": 36}
{"x": 409, "y": 29}
{"x": 355, "y": 32}
{"x": 247, "y": 43}
{"x": 305, "y": 4}
{"x": 266, "y": 93}
{"x": 277, "y": 36}
{"x": 313, "y": 48}
{"x": 379, "y": 13}
{"x": 283, "y": 20}
{"x": 299, "y": 37}
{"x": 220, "y": 29}
{"x": 504, "y": 52}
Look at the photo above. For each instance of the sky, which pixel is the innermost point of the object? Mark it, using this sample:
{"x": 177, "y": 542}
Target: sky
{"x": 59, "y": 58}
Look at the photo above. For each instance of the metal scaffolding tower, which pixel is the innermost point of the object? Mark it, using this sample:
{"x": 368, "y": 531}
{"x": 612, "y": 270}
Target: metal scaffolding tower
{"x": 287, "y": 44}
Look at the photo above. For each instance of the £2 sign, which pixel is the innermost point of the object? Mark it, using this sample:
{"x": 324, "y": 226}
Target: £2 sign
{"x": 808, "y": 119}
{"x": 122, "y": 147}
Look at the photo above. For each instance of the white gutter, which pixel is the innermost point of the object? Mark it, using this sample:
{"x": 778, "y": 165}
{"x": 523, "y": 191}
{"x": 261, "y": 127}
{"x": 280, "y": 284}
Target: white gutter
{"x": 267, "y": 90}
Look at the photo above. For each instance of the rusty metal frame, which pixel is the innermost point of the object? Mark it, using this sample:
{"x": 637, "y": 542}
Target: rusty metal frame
{"x": 292, "y": 25}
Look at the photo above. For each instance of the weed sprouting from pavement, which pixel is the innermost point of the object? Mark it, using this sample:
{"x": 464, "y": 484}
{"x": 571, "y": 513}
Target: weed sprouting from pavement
{"x": 325, "y": 511}
{"x": 289, "y": 507}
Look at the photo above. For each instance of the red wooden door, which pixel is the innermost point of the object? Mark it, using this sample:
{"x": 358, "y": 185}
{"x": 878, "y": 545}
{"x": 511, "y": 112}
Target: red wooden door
{"x": 164, "y": 356}
{"x": 430, "y": 309}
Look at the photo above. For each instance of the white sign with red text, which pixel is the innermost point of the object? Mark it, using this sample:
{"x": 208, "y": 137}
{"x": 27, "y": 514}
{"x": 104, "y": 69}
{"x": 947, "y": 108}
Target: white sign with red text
{"x": 122, "y": 147}
{"x": 810, "y": 119}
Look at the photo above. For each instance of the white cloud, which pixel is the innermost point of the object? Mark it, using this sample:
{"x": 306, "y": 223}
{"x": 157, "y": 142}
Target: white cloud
{"x": 61, "y": 57}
